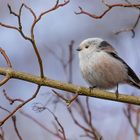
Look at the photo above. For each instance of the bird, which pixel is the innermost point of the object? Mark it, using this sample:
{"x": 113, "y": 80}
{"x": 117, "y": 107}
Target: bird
{"x": 101, "y": 66}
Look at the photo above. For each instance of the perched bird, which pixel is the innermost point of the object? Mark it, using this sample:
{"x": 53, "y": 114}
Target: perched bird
{"x": 101, "y": 67}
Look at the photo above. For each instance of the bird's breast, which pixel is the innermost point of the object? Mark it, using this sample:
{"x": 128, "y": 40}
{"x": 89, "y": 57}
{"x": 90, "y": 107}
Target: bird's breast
{"x": 102, "y": 70}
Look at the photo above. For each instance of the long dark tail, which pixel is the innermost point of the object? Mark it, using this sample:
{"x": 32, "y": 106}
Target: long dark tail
{"x": 137, "y": 85}
{"x": 133, "y": 78}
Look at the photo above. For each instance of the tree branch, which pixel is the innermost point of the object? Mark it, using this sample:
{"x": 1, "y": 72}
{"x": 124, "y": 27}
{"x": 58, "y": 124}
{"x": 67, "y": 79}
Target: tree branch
{"x": 36, "y": 20}
{"x": 69, "y": 87}
{"x": 109, "y": 7}
{"x": 20, "y": 106}
{"x": 131, "y": 29}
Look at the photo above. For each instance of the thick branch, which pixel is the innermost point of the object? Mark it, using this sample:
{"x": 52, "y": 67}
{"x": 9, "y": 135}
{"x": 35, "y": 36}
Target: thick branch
{"x": 69, "y": 87}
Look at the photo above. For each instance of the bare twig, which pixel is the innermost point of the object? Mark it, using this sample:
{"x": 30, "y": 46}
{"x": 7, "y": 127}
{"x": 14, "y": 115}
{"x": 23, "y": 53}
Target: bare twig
{"x": 11, "y": 100}
{"x": 128, "y": 114}
{"x": 78, "y": 124}
{"x": 41, "y": 125}
{"x": 131, "y": 29}
{"x": 70, "y": 61}
{"x": 36, "y": 20}
{"x": 65, "y": 63}
{"x": 19, "y": 28}
{"x": 90, "y": 131}
{"x": 14, "y": 122}
{"x": 20, "y": 106}
{"x": 2, "y": 134}
{"x": 7, "y": 77}
{"x": 67, "y": 101}
{"x": 9, "y": 26}
{"x": 4, "y": 80}
{"x": 56, "y": 6}
{"x": 109, "y": 7}
{"x": 6, "y": 58}
{"x": 15, "y": 127}
{"x": 27, "y": 38}
{"x": 89, "y": 112}
{"x": 61, "y": 130}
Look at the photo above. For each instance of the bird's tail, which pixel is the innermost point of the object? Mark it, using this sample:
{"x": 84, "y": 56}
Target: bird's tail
{"x": 137, "y": 85}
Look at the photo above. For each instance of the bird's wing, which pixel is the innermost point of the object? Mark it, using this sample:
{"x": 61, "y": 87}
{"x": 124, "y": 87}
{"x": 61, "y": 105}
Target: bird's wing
{"x": 131, "y": 73}
{"x": 105, "y": 46}
{"x": 111, "y": 51}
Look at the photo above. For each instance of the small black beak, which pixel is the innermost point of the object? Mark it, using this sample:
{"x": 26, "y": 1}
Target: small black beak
{"x": 78, "y": 49}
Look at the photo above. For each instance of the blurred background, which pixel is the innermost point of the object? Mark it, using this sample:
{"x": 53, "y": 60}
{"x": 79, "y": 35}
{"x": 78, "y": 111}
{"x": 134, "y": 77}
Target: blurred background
{"x": 54, "y": 34}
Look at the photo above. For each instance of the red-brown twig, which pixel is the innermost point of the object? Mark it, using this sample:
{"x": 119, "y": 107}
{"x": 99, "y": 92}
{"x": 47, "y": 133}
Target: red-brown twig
{"x": 61, "y": 130}
{"x": 109, "y": 7}
{"x": 90, "y": 130}
{"x": 56, "y": 134}
{"x": 8, "y": 26}
{"x": 87, "y": 131}
{"x": 2, "y": 134}
{"x": 14, "y": 122}
{"x": 56, "y": 6}
{"x": 15, "y": 127}
{"x": 7, "y": 77}
{"x": 6, "y": 58}
{"x": 131, "y": 29}
{"x": 4, "y": 80}
{"x": 65, "y": 63}
{"x": 67, "y": 101}
{"x": 70, "y": 61}
{"x": 128, "y": 113}
{"x": 11, "y": 100}
{"x": 20, "y": 106}
{"x": 89, "y": 111}
{"x": 19, "y": 28}
{"x": 36, "y": 19}
{"x": 38, "y": 123}
{"x": 32, "y": 40}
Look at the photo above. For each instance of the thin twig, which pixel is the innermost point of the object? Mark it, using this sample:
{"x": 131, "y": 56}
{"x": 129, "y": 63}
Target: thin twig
{"x": 11, "y": 100}
{"x": 109, "y": 7}
{"x": 131, "y": 29}
{"x": 15, "y": 127}
{"x": 70, "y": 61}
{"x": 128, "y": 115}
{"x": 14, "y": 122}
{"x": 59, "y": 124}
{"x": 20, "y": 106}
{"x": 7, "y": 77}
{"x": 6, "y": 58}
{"x": 40, "y": 124}
{"x": 67, "y": 101}
{"x": 2, "y": 134}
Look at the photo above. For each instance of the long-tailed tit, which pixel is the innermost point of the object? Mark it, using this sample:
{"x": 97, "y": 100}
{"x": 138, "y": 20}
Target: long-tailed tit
{"x": 101, "y": 66}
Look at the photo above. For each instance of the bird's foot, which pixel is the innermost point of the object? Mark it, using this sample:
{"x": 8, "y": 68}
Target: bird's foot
{"x": 91, "y": 88}
{"x": 117, "y": 92}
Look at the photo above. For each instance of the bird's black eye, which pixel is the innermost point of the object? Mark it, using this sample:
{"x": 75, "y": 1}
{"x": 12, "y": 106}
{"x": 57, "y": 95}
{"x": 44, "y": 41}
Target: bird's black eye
{"x": 86, "y": 46}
